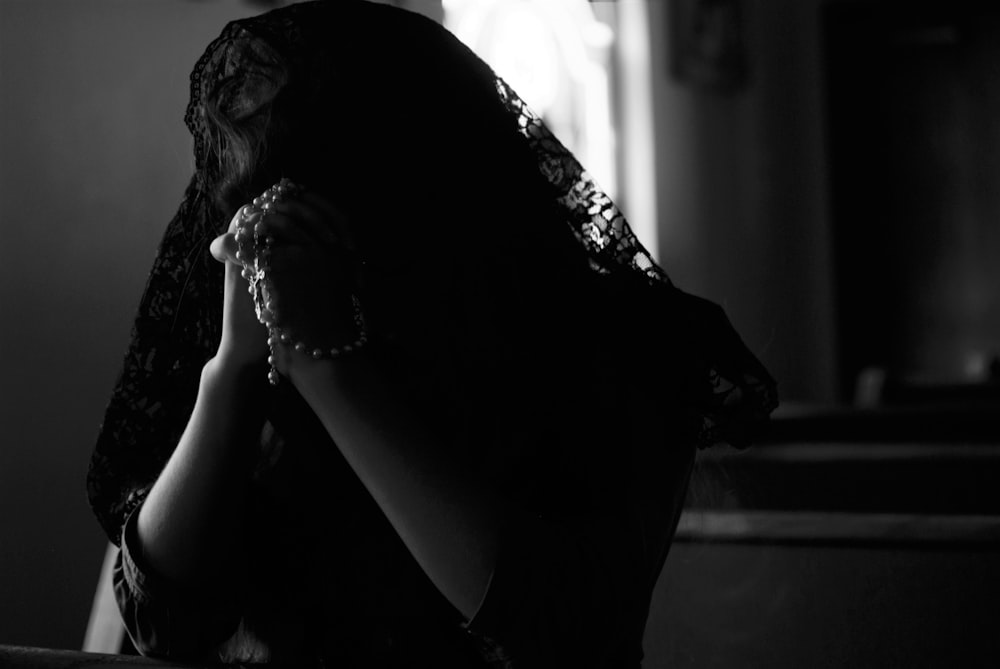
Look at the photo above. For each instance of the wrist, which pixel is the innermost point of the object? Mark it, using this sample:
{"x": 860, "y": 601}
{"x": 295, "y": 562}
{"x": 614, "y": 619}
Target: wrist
{"x": 235, "y": 372}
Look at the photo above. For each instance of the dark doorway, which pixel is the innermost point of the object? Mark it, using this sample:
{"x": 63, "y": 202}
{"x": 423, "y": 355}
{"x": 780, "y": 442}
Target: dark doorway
{"x": 914, "y": 130}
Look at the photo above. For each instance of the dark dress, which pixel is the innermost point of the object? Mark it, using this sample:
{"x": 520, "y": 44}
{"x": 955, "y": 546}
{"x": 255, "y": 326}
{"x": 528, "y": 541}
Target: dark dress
{"x": 326, "y": 581}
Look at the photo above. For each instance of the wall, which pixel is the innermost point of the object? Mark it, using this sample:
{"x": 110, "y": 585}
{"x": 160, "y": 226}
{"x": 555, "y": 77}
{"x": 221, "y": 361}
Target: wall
{"x": 93, "y": 160}
{"x": 742, "y": 192}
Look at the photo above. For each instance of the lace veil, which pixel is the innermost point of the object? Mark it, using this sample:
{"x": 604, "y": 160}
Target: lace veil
{"x": 397, "y": 92}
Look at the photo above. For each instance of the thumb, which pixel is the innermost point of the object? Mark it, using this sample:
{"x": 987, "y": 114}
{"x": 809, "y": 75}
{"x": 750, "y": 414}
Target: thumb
{"x": 223, "y": 248}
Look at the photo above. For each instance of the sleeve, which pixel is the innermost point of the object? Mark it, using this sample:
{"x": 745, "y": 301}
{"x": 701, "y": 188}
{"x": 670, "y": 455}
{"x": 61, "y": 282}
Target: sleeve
{"x": 161, "y": 619}
{"x": 575, "y": 591}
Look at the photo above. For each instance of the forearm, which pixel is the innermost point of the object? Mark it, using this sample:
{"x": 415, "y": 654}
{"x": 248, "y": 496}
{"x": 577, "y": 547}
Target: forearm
{"x": 192, "y": 519}
{"x": 444, "y": 511}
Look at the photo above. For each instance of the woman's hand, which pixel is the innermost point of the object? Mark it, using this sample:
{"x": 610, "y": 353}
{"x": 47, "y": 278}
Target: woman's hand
{"x": 312, "y": 271}
{"x": 244, "y": 339}
{"x": 312, "y": 274}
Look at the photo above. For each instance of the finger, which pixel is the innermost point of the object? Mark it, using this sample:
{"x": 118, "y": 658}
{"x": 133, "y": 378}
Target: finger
{"x": 291, "y": 262}
{"x": 285, "y": 229}
{"x": 286, "y": 258}
{"x": 319, "y": 217}
{"x": 322, "y": 204}
{"x": 223, "y": 248}
{"x": 245, "y": 211}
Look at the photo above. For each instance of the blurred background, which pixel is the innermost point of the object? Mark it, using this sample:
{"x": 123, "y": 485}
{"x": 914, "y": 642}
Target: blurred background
{"x": 826, "y": 170}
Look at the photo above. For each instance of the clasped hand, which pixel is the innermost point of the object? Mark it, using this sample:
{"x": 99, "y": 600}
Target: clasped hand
{"x": 312, "y": 272}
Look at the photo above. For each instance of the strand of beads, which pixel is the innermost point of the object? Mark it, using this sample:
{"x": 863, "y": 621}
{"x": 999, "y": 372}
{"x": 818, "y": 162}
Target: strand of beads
{"x": 254, "y": 252}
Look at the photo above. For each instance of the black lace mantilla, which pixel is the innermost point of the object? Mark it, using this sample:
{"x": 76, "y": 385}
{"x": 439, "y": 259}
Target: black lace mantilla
{"x": 178, "y": 324}
{"x": 738, "y": 394}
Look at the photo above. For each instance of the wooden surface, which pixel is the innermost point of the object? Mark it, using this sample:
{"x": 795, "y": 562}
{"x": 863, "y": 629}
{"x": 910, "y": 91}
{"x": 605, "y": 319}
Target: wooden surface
{"x": 824, "y": 528}
{"x": 23, "y": 657}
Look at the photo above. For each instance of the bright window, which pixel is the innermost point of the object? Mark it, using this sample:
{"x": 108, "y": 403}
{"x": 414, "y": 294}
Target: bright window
{"x": 556, "y": 54}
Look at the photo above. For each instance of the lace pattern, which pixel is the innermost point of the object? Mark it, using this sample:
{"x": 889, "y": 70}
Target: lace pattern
{"x": 595, "y": 220}
{"x": 735, "y": 394}
{"x": 176, "y": 330}
{"x": 226, "y": 60}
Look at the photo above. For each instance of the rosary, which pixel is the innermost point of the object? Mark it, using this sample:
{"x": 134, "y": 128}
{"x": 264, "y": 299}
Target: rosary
{"x": 254, "y": 251}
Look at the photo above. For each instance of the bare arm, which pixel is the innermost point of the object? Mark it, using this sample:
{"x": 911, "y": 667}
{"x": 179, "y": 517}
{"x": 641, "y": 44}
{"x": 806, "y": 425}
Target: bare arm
{"x": 191, "y": 522}
{"x": 443, "y": 510}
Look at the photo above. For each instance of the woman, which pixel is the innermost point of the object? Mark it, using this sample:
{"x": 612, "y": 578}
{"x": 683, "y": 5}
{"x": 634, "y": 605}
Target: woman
{"x": 484, "y": 462}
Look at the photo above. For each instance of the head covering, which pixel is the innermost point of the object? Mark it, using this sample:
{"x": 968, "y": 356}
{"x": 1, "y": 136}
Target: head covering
{"x": 494, "y": 257}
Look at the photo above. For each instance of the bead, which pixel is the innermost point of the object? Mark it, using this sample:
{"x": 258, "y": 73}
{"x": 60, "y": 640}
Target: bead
{"x": 253, "y": 250}
{"x": 239, "y": 255}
